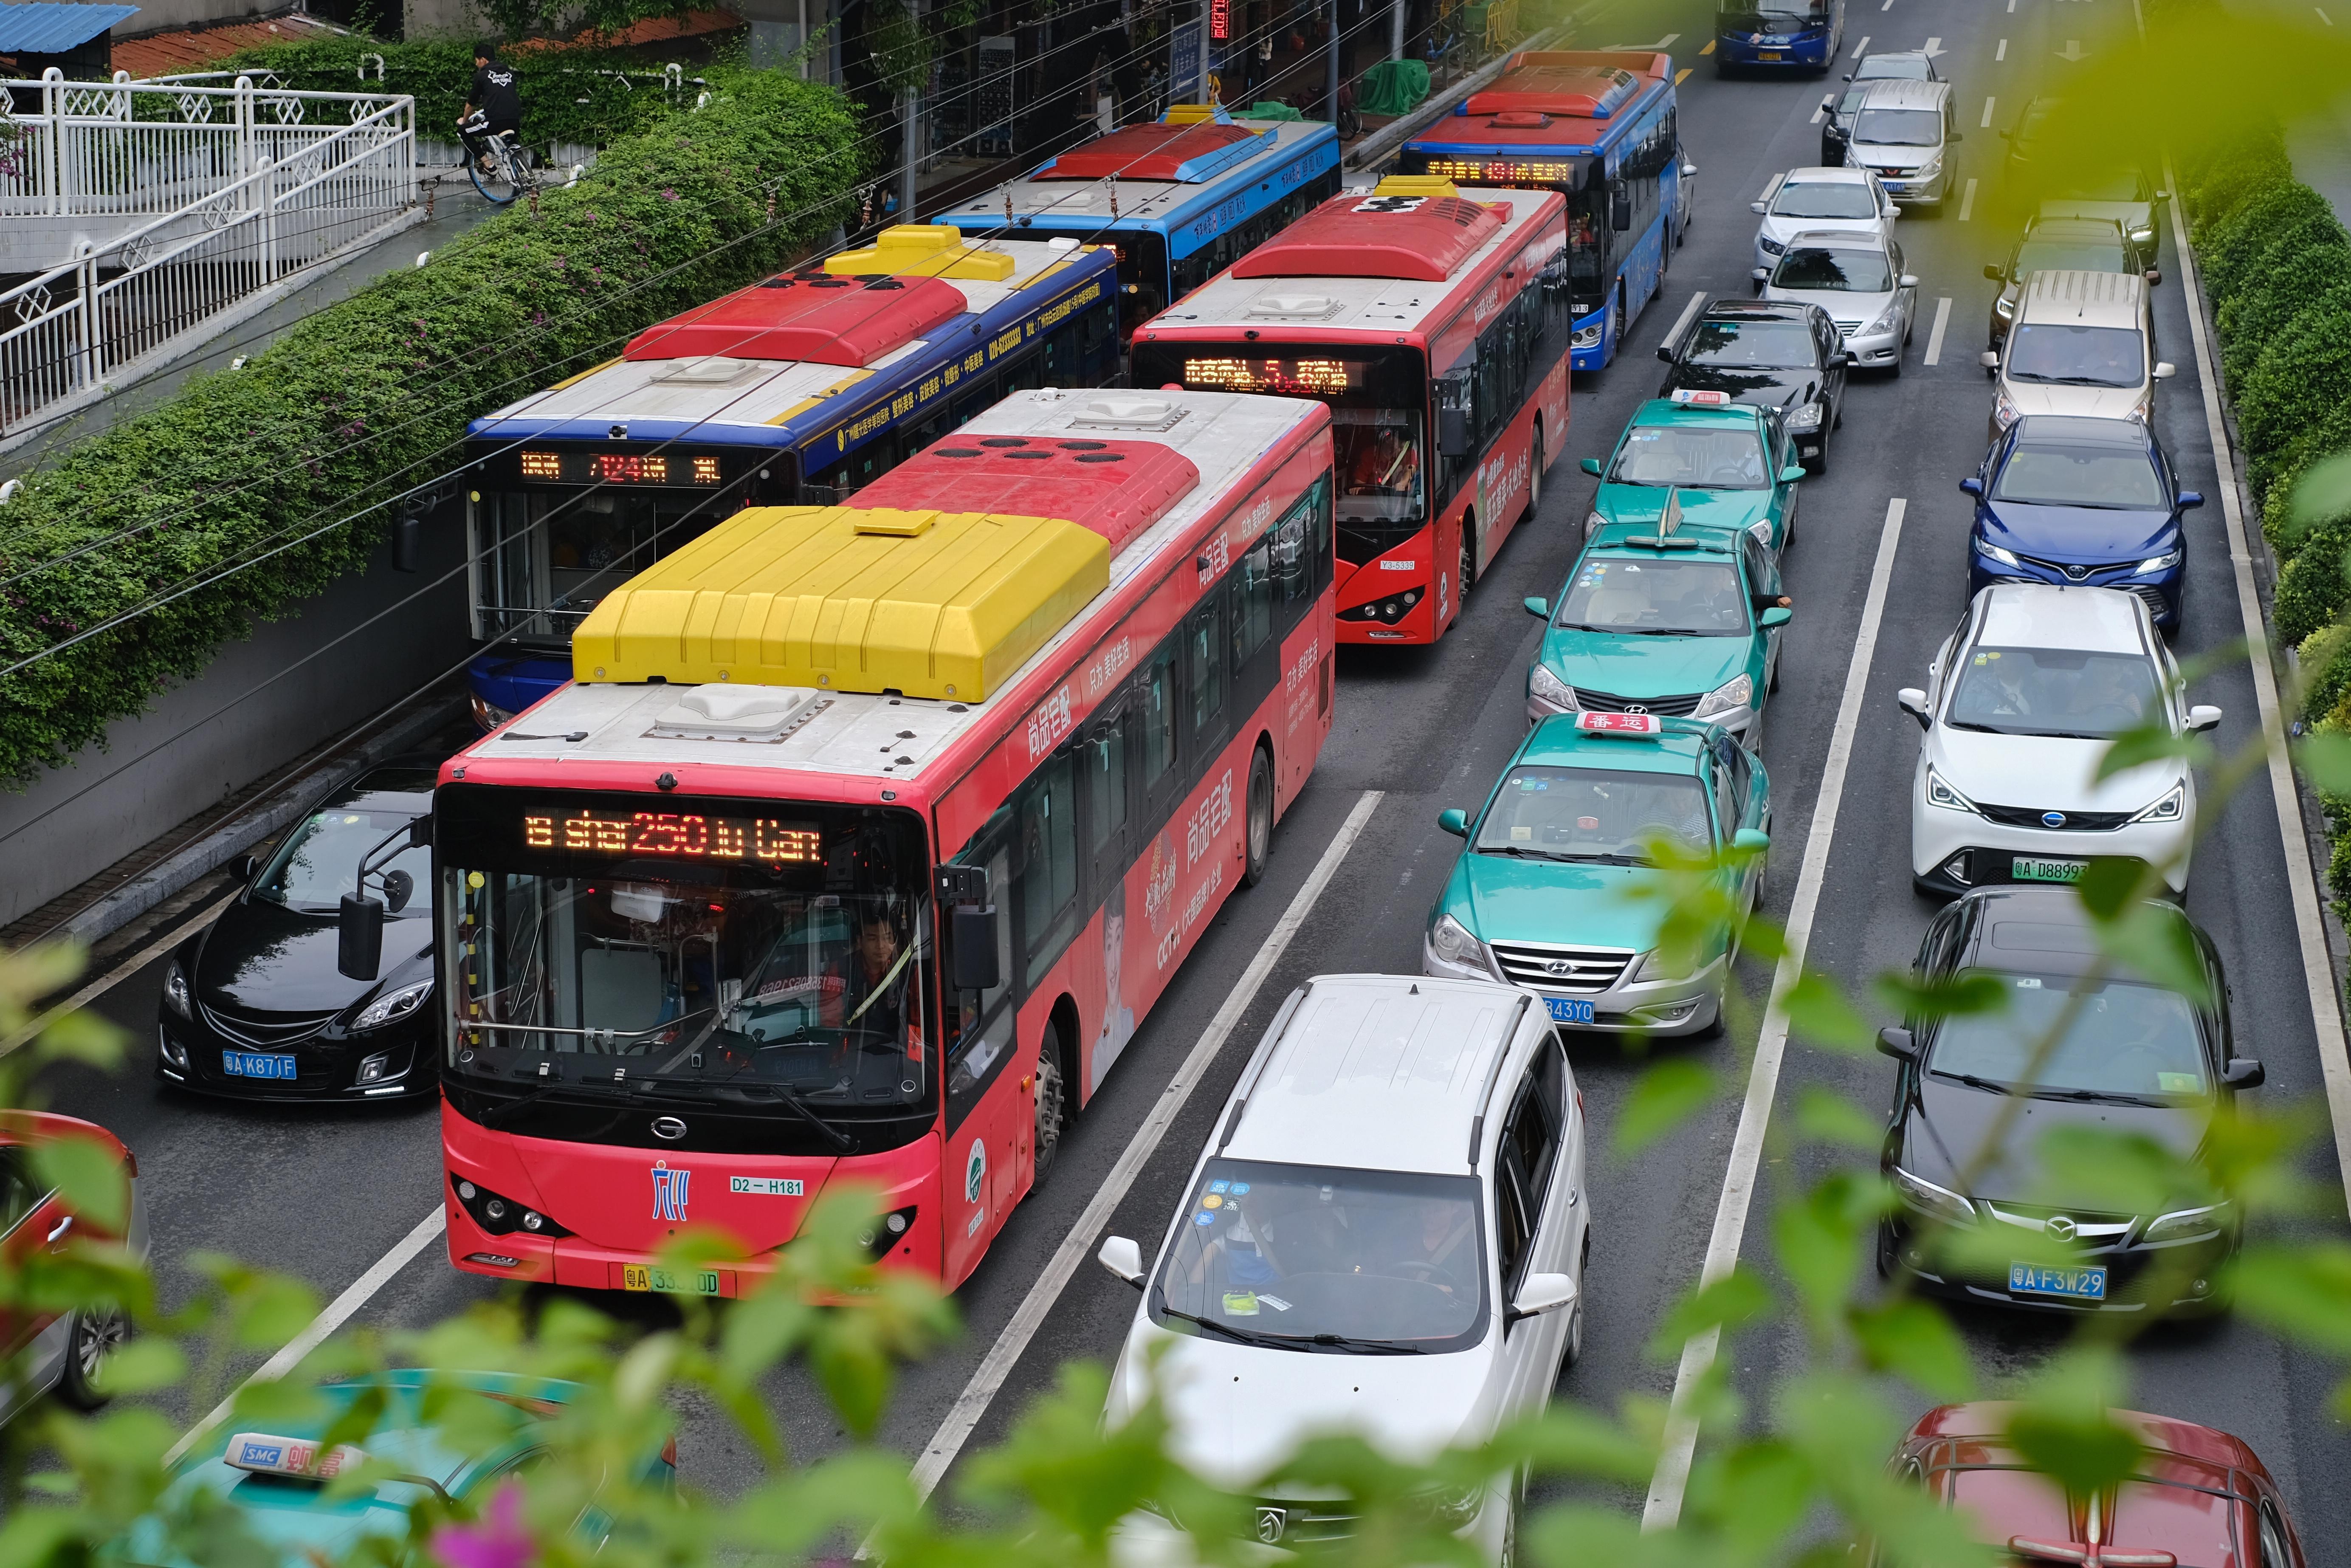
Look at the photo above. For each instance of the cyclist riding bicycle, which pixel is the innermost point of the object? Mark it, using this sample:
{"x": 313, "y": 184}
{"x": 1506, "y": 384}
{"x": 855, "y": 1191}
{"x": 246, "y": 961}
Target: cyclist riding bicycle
{"x": 493, "y": 105}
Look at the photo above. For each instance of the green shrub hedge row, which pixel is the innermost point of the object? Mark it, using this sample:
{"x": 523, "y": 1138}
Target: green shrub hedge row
{"x": 367, "y": 398}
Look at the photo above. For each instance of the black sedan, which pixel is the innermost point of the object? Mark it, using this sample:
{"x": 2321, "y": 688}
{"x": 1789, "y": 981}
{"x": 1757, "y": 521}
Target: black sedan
{"x": 1770, "y": 355}
{"x": 2080, "y": 502}
{"x": 254, "y": 1005}
{"x": 1980, "y": 1214}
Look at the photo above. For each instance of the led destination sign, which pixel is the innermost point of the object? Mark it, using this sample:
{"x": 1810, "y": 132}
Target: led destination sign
{"x": 618, "y": 468}
{"x": 1504, "y": 171}
{"x": 677, "y": 835}
{"x": 1284, "y": 377}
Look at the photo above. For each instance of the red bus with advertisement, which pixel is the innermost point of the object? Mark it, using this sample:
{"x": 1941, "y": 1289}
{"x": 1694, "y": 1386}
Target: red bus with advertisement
{"x": 867, "y": 835}
{"x": 1435, "y": 326}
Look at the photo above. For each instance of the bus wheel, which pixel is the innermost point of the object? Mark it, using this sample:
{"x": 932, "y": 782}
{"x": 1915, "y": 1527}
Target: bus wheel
{"x": 1051, "y": 1116}
{"x": 1259, "y": 821}
{"x": 1534, "y": 476}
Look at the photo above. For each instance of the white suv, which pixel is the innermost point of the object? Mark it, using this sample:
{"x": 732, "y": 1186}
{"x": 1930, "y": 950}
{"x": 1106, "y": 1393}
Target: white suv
{"x": 2020, "y": 706}
{"x": 1386, "y": 1235}
{"x": 1811, "y": 201}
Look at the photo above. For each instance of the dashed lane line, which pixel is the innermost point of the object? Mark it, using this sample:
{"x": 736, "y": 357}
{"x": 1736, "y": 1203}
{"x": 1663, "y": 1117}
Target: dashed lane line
{"x": 121, "y": 972}
{"x": 1968, "y": 202}
{"x": 1942, "y": 320}
{"x": 1985, "y": 123}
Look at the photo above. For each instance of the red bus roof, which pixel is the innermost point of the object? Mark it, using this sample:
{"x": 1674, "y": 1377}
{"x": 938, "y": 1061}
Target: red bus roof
{"x": 811, "y": 316}
{"x": 1116, "y": 488}
{"x": 1424, "y": 238}
{"x": 1185, "y": 154}
{"x": 1585, "y": 83}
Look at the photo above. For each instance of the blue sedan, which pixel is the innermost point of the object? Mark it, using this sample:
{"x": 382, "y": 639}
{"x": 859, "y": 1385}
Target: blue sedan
{"x": 2093, "y": 502}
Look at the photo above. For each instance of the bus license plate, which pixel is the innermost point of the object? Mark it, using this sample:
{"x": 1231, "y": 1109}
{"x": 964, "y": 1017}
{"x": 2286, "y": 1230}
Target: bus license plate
{"x": 256, "y": 1064}
{"x": 2073, "y": 1284}
{"x": 670, "y": 1282}
{"x": 1568, "y": 1009}
{"x": 2029, "y": 868}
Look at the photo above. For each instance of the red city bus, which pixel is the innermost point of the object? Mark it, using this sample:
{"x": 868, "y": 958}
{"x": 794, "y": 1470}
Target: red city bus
{"x": 1435, "y": 328}
{"x": 867, "y": 834}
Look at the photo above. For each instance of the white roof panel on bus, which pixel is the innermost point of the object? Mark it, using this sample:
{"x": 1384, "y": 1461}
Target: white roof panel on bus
{"x": 1137, "y": 200}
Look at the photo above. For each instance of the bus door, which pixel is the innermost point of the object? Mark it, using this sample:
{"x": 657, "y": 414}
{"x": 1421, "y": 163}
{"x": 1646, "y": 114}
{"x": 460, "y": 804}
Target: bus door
{"x": 976, "y": 1156}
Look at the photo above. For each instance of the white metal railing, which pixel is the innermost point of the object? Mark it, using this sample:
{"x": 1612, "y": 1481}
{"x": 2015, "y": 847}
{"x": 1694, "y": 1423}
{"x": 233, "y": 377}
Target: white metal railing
{"x": 62, "y": 333}
{"x": 131, "y": 148}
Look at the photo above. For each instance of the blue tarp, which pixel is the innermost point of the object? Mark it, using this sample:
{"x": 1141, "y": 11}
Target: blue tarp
{"x": 54, "y": 29}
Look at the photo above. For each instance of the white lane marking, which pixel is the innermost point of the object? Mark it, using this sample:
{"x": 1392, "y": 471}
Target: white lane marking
{"x": 2011, "y": 7}
{"x": 1887, "y": 7}
{"x": 1934, "y": 46}
{"x": 1985, "y": 123}
{"x": 1665, "y": 1487}
{"x": 1968, "y": 202}
{"x": 123, "y": 971}
{"x": 2323, "y": 16}
{"x": 1820, "y": 113}
{"x": 1079, "y": 1244}
{"x": 1681, "y": 323}
{"x": 2001, "y": 53}
{"x": 1942, "y": 320}
{"x": 337, "y": 1312}
{"x": 1862, "y": 47}
{"x": 2317, "y": 970}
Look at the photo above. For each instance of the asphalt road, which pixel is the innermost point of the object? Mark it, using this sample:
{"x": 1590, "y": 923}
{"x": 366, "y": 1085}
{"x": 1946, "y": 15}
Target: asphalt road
{"x": 324, "y": 1195}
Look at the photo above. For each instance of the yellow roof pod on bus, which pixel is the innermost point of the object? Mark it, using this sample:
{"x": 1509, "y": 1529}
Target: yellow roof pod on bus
{"x": 923, "y": 250}
{"x": 1416, "y": 185}
{"x": 926, "y": 603}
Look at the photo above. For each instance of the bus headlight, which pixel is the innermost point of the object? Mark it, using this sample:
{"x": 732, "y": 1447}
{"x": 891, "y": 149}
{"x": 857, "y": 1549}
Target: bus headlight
{"x": 1588, "y": 336}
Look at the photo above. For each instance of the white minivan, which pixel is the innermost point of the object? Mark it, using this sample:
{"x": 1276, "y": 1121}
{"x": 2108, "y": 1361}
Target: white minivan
{"x": 1385, "y": 1236}
{"x": 2081, "y": 343}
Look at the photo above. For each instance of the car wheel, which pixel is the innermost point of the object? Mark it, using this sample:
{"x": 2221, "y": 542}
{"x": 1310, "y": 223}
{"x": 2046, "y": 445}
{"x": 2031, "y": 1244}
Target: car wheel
{"x": 1882, "y": 1253}
{"x": 96, "y": 1334}
{"x": 1052, "y": 1116}
{"x": 1894, "y": 369}
{"x": 1258, "y": 827}
{"x": 1573, "y": 1351}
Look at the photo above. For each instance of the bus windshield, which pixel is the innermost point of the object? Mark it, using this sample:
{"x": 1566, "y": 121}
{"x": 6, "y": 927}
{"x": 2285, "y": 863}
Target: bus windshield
{"x": 755, "y": 954}
{"x": 1746, "y": 16}
{"x": 551, "y": 552}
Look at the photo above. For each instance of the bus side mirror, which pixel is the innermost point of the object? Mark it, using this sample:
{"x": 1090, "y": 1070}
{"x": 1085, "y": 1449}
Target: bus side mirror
{"x": 973, "y": 927}
{"x": 359, "y": 937}
{"x": 1620, "y": 210}
{"x": 1453, "y": 432}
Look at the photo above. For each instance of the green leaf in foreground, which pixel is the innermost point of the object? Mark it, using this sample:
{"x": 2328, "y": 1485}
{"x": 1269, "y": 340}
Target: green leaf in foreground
{"x": 1666, "y": 1095}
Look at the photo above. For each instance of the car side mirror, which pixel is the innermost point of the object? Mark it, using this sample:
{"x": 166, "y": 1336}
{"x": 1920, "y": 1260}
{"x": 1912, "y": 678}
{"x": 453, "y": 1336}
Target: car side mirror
{"x": 1828, "y": 99}
{"x": 2203, "y": 717}
{"x": 359, "y": 937}
{"x": 1896, "y": 1042}
{"x": 247, "y": 868}
{"x": 1909, "y": 280}
{"x": 1689, "y": 170}
{"x": 1665, "y": 352}
{"x": 1840, "y": 361}
{"x": 1972, "y": 486}
{"x": 1755, "y": 841}
{"x": 972, "y": 928}
{"x": 1912, "y": 701}
{"x": 1541, "y": 1294}
{"x": 1761, "y": 275}
{"x": 1537, "y": 608}
{"x": 1893, "y": 211}
{"x": 1454, "y": 821}
{"x": 1951, "y": 137}
{"x": 2243, "y": 1073}
{"x": 2004, "y": 134}
{"x": 1995, "y": 272}
{"x": 1122, "y": 1258}
{"x": 1989, "y": 359}
{"x": 2161, "y": 196}
{"x": 1778, "y": 615}
{"x": 2165, "y": 369}
{"x": 1757, "y": 207}
{"x": 1791, "y": 473}
{"x": 1832, "y": 98}
{"x": 2190, "y": 499}
{"x": 1590, "y": 465}
{"x": 2154, "y": 276}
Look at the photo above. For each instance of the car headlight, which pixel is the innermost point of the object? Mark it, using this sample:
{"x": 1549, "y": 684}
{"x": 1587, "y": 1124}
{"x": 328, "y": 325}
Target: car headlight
{"x": 2137, "y": 414}
{"x": 1653, "y": 968}
{"x": 1925, "y": 1198}
{"x": 1452, "y": 942}
{"x": 2171, "y": 807}
{"x": 1544, "y": 686}
{"x": 1888, "y": 317}
{"x": 2004, "y": 308}
{"x": 1451, "y": 1507}
{"x": 175, "y": 989}
{"x": 1732, "y": 695}
{"x": 1991, "y": 551}
{"x": 1760, "y": 532}
{"x": 2155, "y": 564}
{"x": 1587, "y": 337}
{"x": 1929, "y": 170}
{"x": 488, "y": 716}
{"x": 1593, "y": 523}
{"x": 392, "y": 1005}
{"x": 2003, "y": 409}
{"x": 1769, "y": 247}
{"x": 1938, "y": 793}
{"x": 1805, "y": 418}
{"x": 2184, "y": 1224}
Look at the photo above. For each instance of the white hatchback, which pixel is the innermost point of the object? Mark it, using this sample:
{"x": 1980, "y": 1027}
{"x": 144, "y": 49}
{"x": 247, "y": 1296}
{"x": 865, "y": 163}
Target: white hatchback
{"x": 2021, "y": 705}
{"x": 1820, "y": 199}
{"x": 1385, "y": 1236}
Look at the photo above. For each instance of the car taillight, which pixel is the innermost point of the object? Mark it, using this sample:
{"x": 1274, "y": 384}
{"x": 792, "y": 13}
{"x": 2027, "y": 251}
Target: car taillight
{"x": 669, "y": 1451}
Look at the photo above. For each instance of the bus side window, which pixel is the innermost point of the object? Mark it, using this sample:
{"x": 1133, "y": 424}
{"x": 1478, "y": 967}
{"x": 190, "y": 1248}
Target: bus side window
{"x": 1204, "y": 676}
{"x": 1046, "y": 879}
{"x": 1155, "y": 716}
{"x": 1253, "y": 602}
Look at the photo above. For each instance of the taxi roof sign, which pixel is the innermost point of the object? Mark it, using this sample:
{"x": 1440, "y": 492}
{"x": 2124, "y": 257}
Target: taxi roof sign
{"x": 1702, "y": 397}
{"x": 295, "y": 1457}
{"x": 1623, "y": 726}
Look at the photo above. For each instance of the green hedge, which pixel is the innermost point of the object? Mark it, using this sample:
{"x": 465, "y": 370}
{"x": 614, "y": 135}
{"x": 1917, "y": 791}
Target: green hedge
{"x": 368, "y": 396}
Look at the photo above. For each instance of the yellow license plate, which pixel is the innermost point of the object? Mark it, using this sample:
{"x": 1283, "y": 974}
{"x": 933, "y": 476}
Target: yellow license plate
{"x": 692, "y": 1282}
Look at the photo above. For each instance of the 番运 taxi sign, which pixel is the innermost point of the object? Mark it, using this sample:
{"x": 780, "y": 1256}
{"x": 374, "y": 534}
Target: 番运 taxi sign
{"x": 1629, "y": 725}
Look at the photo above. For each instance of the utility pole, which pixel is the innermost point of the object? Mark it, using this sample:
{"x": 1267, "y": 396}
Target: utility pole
{"x": 1206, "y": 22}
{"x": 1395, "y": 30}
{"x": 914, "y": 102}
{"x": 1331, "y": 68}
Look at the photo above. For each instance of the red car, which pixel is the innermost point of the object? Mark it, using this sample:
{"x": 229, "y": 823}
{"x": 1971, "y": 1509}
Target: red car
{"x": 2200, "y": 1499}
{"x": 56, "y": 1351}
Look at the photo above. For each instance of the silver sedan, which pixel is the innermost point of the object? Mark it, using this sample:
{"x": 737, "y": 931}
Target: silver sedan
{"x": 1860, "y": 283}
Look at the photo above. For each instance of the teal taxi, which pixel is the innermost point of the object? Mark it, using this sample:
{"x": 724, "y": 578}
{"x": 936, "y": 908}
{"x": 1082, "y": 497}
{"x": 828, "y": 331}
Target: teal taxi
{"x": 280, "y": 1487}
{"x": 1733, "y": 467}
{"x": 1664, "y": 618}
{"x": 1557, "y": 892}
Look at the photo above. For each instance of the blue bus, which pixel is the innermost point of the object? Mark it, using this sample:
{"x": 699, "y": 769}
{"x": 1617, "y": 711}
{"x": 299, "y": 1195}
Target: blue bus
{"x": 1791, "y": 36}
{"x": 1179, "y": 199}
{"x": 796, "y": 391}
{"x": 1600, "y": 126}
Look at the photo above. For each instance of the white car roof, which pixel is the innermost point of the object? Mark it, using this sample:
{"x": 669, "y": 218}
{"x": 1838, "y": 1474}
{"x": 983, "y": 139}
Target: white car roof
{"x": 1379, "y": 1071}
{"x": 1904, "y": 92}
{"x": 2048, "y": 615}
{"x": 2083, "y": 299}
{"x": 1906, "y": 62}
{"x": 1868, "y": 239}
{"x": 1823, "y": 174}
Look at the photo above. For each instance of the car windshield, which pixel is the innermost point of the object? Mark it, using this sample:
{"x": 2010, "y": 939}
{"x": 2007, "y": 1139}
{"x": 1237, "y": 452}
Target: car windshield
{"x": 1315, "y": 1257}
{"x": 2121, "y": 1038}
{"x": 1754, "y": 345}
{"x": 2060, "y": 691}
{"x": 2069, "y": 255}
{"x": 2066, "y": 355}
{"x": 1696, "y": 457}
{"x": 1899, "y": 127}
{"x": 1824, "y": 199}
{"x": 1893, "y": 68}
{"x": 1685, "y": 598}
{"x": 1581, "y": 814}
{"x": 320, "y": 860}
{"x": 2115, "y": 185}
{"x": 2059, "y": 476}
{"x": 1837, "y": 271}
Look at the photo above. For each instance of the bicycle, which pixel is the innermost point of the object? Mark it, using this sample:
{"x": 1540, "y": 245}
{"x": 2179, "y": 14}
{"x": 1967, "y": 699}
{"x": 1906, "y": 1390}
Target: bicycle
{"x": 509, "y": 173}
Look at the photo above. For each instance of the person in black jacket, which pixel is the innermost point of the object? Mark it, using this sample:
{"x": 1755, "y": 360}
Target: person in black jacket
{"x": 495, "y": 93}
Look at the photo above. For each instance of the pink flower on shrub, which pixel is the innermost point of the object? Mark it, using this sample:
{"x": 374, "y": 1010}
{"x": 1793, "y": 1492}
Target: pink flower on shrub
{"x": 497, "y": 1540}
